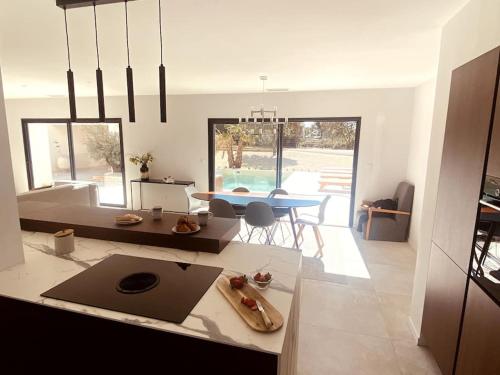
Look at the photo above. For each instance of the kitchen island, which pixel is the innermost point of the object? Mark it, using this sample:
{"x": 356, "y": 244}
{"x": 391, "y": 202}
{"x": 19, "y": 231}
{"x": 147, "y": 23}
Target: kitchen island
{"x": 212, "y": 338}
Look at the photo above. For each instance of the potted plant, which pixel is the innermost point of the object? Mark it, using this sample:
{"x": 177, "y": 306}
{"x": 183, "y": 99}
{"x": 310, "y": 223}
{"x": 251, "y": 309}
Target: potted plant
{"x": 144, "y": 160}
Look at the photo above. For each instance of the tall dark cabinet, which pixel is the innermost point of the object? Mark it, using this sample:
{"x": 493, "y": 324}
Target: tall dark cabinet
{"x": 461, "y": 229}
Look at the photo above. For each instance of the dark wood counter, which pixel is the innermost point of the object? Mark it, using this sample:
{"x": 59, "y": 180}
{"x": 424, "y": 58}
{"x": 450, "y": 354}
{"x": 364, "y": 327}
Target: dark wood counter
{"x": 98, "y": 223}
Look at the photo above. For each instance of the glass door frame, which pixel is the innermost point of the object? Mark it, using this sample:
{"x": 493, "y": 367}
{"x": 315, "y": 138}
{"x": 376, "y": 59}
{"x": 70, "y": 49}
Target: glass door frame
{"x": 27, "y": 148}
{"x": 212, "y": 122}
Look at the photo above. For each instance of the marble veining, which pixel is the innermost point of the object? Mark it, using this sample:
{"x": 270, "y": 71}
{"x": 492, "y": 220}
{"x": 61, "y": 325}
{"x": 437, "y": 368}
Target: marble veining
{"x": 212, "y": 318}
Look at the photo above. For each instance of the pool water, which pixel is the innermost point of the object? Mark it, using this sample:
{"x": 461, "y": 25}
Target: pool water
{"x": 253, "y": 180}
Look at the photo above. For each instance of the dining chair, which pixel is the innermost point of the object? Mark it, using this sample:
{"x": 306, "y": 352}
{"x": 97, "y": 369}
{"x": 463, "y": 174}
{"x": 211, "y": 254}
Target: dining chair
{"x": 279, "y": 212}
{"x": 238, "y": 209}
{"x": 314, "y": 221}
{"x": 260, "y": 215}
{"x": 224, "y": 209}
{"x": 194, "y": 205}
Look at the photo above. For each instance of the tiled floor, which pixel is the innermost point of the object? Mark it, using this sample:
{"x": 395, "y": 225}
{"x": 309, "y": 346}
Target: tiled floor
{"x": 355, "y": 306}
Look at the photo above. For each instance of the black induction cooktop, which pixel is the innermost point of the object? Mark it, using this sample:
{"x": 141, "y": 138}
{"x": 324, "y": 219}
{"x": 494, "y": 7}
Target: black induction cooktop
{"x": 141, "y": 286}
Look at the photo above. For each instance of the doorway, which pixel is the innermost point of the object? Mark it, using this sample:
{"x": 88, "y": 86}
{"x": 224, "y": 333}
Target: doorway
{"x": 307, "y": 156}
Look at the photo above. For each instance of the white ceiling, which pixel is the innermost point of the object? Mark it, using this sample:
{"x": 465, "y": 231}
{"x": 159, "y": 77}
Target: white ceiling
{"x": 224, "y": 45}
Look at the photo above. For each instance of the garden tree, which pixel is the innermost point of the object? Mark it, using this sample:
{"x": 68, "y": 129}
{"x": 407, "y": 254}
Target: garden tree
{"x": 103, "y": 144}
{"x": 232, "y": 139}
{"x": 339, "y": 135}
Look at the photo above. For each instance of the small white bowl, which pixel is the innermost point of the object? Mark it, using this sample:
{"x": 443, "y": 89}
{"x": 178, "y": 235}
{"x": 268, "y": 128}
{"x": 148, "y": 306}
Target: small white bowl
{"x": 262, "y": 284}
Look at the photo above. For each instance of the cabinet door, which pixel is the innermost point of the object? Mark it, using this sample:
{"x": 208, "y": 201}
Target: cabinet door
{"x": 469, "y": 118}
{"x": 480, "y": 341}
{"x": 443, "y": 308}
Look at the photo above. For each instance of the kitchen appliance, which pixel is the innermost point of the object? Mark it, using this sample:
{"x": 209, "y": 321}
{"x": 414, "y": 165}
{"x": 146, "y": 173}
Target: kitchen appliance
{"x": 147, "y": 287}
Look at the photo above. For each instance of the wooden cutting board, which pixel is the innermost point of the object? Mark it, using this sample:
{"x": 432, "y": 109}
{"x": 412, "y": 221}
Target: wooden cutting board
{"x": 252, "y": 318}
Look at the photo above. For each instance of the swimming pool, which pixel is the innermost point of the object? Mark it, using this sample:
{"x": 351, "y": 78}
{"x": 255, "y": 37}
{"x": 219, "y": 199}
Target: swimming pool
{"x": 253, "y": 180}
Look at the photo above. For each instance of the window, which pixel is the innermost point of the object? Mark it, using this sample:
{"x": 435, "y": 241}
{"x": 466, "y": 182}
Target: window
{"x": 87, "y": 150}
{"x": 308, "y": 156}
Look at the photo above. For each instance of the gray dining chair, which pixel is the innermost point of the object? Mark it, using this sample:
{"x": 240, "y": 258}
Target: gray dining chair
{"x": 314, "y": 221}
{"x": 240, "y": 210}
{"x": 260, "y": 215}
{"x": 279, "y": 212}
{"x": 224, "y": 209}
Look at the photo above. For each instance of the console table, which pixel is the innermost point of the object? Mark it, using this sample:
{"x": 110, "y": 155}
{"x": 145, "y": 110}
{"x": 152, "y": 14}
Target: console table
{"x": 156, "y": 192}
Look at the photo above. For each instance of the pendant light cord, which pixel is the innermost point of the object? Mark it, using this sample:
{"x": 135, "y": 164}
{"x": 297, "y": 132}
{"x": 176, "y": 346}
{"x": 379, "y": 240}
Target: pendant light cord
{"x": 67, "y": 38}
{"x": 161, "y": 34}
{"x": 126, "y": 28}
{"x": 96, "y": 41}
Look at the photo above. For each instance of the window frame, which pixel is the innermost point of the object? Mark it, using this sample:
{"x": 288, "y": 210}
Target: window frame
{"x": 27, "y": 148}
{"x": 212, "y": 122}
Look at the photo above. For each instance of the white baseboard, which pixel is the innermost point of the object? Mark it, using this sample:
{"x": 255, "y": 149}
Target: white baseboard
{"x": 415, "y": 333}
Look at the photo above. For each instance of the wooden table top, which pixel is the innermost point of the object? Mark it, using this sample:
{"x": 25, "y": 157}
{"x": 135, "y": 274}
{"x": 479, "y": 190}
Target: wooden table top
{"x": 243, "y": 199}
{"x": 99, "y": 223}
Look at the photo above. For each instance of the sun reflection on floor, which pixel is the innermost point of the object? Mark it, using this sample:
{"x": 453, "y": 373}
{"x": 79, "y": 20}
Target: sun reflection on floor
{"x": 341, "y": 254}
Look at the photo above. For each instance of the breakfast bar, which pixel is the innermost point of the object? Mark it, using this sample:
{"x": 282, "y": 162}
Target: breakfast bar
{"x": 213, "y": 338}
{"x": 99, "y": 223}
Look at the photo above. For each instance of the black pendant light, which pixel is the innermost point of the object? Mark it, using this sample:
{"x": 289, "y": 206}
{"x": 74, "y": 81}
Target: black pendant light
{"x": 163, "y": 84}
{"x": 130, "y": 76}
{"x": 69, "y": 74}
{"x": 100, "y": 85}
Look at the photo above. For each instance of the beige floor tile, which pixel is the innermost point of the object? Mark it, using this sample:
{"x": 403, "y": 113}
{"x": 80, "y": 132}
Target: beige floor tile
{"x": 326, "y": 351}
{"x": 414, "y": 359}
{"x": 392, "y": 279}
{"x": 392, "y": 253}
{"x": 355, "y": 306}
{"x": 343, "y": 308}
{"x": 395, "y": 310}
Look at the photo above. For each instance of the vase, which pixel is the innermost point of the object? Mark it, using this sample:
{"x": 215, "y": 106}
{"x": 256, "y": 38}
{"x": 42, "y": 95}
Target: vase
{"x": 144, "y": 172}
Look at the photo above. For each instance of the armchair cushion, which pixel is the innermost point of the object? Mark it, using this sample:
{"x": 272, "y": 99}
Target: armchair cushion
{"x": 388, "y": 204}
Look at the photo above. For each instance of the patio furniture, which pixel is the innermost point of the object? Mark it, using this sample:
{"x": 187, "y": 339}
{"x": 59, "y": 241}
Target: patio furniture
{"x": 314, "y": 222}
{"x": 244, "y": 199}
{"x": 224, "y": 209}
{"x": 260, "y": 215}
{"x": 395, "y": 225}
{"x": 345, "y": 185}
{"x": 341, "y": 173}
{"x": 194, "y": 205}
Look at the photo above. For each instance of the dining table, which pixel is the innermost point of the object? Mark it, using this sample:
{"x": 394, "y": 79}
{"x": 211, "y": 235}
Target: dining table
{"x": 290, "y": 202}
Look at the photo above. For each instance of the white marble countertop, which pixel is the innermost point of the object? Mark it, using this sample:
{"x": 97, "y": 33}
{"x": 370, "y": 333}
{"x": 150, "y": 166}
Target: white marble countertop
{"x": 212, "y": 318}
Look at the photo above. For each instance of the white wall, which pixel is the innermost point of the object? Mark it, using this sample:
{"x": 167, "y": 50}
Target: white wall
{"x": 419, "y": 151}
{"x": 181, "y": 147}
{"x": 11, "y": 249}
{"x": 471, "y": 32}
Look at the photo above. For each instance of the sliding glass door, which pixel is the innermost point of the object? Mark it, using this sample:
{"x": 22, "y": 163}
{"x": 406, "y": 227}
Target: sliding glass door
{"x": 98, "y": 158}
{"x": 314, "y": 156}
{"x": 87, "y": 150}
{"x": 245, "y": 156}
{"x": 318, "y": 158}
{"x": 50, "y": 148}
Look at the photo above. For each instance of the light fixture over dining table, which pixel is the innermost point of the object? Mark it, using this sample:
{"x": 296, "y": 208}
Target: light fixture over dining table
{"x": 261, "y": 114}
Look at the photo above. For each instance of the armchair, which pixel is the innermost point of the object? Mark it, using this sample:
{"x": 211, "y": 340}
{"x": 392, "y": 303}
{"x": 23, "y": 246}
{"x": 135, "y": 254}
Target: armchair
{"x": 396, "y": 225}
